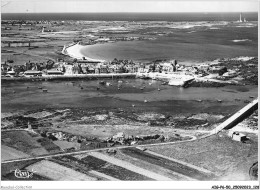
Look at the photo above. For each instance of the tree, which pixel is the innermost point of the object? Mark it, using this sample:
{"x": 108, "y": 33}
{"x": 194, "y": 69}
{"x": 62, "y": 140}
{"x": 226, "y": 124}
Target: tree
{"x": 75, "y": 60}
{"x": 50, "y": 64}
{"x": 80, "y": 69}
{"x": 222, "y": 71}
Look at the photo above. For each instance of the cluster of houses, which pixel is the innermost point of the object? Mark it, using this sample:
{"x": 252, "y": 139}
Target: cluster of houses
{"x": 28, "y": 22}
{"x": 30, "y": 69}
{"x": 103, "y": 39}
{"x": 77, "y": 67}
{"x": 121, "y": 139}
{"x": 87, "y": 143}
{"x": 61, "y": 136}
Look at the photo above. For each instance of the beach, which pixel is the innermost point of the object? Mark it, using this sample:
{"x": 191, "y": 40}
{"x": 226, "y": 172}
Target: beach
{"x": 75, "y": 51}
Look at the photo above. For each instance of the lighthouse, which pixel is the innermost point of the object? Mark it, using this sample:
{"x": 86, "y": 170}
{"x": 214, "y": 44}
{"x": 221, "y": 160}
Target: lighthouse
{"x": 240, "y": 18}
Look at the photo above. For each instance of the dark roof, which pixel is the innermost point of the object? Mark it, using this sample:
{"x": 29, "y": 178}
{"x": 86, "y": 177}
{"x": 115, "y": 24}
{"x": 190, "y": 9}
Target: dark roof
{"x": 54, "y": 71}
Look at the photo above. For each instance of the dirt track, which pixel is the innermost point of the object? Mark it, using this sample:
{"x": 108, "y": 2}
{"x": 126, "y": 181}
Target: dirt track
{"x": 168, "y": 164}
{"x": 130, "y": 167}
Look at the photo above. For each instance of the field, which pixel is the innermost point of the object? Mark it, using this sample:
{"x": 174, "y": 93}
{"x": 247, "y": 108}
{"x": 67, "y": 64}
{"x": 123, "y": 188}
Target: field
{"x": 86, "y": 163}
{"x": 8, "y": 153}
{"x": 141, "y": 173}
{"x": 218, "y": 154}
{"x": 165, "y": 163}
{"x": 22, "y": 141}
{"x": 7, "y": 169}
{"x": 148, "y": 166}
{"x": 35, "y": 177}
{"x": 66, "y": 145}
{"x": 58, "y": 172}
{"x": 28, "y": 144}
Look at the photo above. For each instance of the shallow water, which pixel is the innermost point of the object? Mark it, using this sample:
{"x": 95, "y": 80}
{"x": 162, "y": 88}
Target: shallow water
{"x": 174, "y": 100}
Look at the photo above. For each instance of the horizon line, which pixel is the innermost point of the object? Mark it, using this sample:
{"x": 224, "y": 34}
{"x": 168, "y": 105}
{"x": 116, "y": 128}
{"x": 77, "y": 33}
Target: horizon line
{"x": 131, "y": 12}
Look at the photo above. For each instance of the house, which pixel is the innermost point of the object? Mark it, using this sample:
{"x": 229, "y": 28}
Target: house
{"x": 10, "y": 73}
{"x": 203, "y": 67}
{"x": 7, "y": 28}
{"x": 103, "y": 69}
{"x": 216, "y": 69}
{"x": 32, "y": 73}
{"x": 168, "y": 67}
{"x": 68, "y": 70}
{"x": 97, "y": 71}
{"x": 54, "y": 72}
{"x": 236, "y": 136}
{"x": 119, "y": 136}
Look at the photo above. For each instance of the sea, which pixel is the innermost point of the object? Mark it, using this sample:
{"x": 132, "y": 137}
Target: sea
{"x": 174, "y": 17}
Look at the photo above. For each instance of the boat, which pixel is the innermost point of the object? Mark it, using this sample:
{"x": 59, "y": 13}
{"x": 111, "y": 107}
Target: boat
{"x": 144, "y": 77}
{"x": 102, "y": 82}
{"x": 108, "y": 84}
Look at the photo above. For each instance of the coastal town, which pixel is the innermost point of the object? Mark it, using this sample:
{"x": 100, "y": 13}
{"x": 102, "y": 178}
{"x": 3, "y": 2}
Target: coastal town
{"x": 69, "y": 61}
{"x": 217, "y": 72}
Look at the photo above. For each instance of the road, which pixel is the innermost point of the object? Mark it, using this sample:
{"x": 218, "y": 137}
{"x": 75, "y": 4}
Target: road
{"x": 94, "y": 150}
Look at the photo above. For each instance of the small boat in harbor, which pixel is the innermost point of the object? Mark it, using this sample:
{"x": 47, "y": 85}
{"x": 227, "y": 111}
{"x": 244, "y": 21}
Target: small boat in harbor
{"x": 144, "y": 77}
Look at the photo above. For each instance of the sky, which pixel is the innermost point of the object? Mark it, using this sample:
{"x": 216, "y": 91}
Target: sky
{"x": 56, "y": 6}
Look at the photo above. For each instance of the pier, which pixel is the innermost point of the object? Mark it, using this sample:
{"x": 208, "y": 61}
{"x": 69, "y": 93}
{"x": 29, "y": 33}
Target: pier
{"x": 237, "y": 117}
{"x": 19, "y": 43}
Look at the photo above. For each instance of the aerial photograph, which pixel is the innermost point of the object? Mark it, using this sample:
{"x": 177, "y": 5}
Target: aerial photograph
{"x": 129, "y": 90}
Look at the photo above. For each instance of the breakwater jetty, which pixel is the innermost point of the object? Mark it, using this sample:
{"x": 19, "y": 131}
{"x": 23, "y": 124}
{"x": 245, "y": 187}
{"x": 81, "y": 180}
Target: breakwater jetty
{"x": 237, "y": 117}
{"x": 70, "y": 77}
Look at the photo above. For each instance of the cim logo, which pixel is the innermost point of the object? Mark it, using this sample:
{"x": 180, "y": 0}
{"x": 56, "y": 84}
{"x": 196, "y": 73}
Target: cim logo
{"x": 24, "y": 174}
